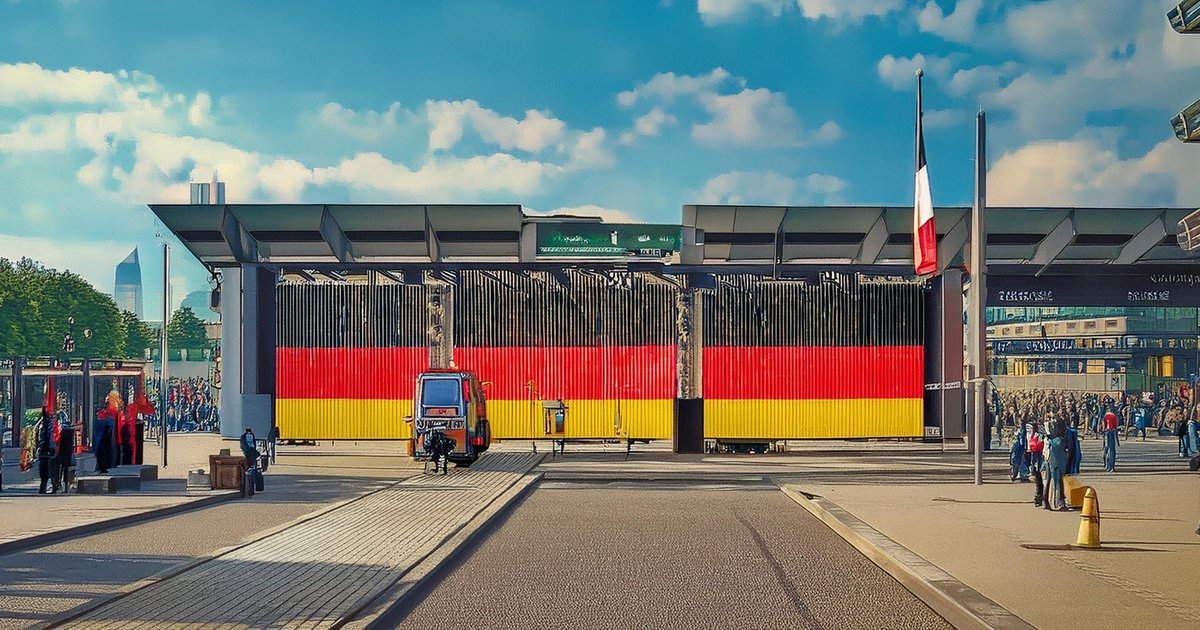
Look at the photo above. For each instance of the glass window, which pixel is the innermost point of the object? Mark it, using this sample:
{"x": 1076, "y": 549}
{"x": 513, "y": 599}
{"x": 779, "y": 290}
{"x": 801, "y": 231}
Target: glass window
{"x": 441, "y": 392}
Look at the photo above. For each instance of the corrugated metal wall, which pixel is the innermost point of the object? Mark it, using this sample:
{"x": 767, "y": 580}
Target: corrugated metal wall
{"x": 605, "y": 348}
{"x": 781, "y": 359}
{"x": 790, "y": 360}
{"x": 347, "y": 358}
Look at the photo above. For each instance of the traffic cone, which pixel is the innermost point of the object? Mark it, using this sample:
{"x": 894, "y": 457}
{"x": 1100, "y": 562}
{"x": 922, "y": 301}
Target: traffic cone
{"x": 1089, "y": 522}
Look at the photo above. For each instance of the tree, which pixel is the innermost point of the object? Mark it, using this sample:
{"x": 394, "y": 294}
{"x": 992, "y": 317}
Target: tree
{"x": 138, "y": 336}
{"x": 36, "y": 304}
{"x": 187, "y": 331}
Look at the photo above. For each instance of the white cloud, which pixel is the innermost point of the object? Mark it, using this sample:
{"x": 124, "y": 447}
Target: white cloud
{"x": 901, "y": 72}
{"x": 90, "y": 258}
{"x": 365, "y": 126}
{"x": 651, "y": 124}
{"x": 200, "y": 113}
{"x": 980, "y": 79}
{"x": 26, "y": 83}
{"x": 534, "y": 133}
{"x": 1088, "y": 171}
{"x": 848, "y": 10}
{"x": 717, "y": 11}
{"x": 750, "y": 117}
{"x": 1071, "y": 30}
{"x": 38, "y": 133}
{"x": 957, "y": 26}
{"x": 439, "y": 178}
{"x": 608, "y": 215}
{"x": 589, "y": 150}
{"x": 667, "y": 86}
{"x": 770, "y": 188}
{"x": 942, "y": 118}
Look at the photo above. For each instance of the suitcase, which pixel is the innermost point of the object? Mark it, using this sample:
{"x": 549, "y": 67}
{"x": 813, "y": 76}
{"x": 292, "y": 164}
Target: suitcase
{"x": 248, "y": 483}
{"x": 258, "y": 480}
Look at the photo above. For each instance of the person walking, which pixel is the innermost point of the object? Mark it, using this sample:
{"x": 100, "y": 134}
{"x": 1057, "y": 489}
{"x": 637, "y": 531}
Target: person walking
{"x": 1140, "y": 422}
{"x": 1035, "y": 465}
{"x": 1110, "y": 441}
{"x": 46, "y": 449}
{"x": 1185, "y": 449}
{"x": 65, "y": 469}
{"x": 102, "y": 441}
{"x": 1074, "y": 454}
{"x": 1193, "y": 424}
{"x": 1056, "y": 465}
{"x": 1016, "y": 457}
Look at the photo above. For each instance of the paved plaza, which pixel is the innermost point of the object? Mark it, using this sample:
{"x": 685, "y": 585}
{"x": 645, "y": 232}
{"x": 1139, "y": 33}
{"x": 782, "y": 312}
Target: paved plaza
{"x": 355, "y": 534}
{"x": 669, "y": 555}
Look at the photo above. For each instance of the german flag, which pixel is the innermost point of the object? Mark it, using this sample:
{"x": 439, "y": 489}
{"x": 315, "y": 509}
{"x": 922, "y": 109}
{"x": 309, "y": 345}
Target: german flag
{"x": 786, "y": 360}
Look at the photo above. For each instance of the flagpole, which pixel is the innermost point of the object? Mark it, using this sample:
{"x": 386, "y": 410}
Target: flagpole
{"x": 978, "y": 294}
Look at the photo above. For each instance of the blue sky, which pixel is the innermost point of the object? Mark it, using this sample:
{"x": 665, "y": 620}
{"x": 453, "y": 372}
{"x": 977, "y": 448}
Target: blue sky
{"x": 627, "y": 109}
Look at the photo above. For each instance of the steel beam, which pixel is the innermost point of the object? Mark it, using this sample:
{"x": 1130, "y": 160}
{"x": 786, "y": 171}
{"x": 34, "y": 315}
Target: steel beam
{"x": 953, "y": 242}
{"x": 1055, "y": 242}
{"x": 1140, "y": 245}
{"x": 240, "y": 241}
{"x": 873, "y": 242}
{"x": 335, "y": 237}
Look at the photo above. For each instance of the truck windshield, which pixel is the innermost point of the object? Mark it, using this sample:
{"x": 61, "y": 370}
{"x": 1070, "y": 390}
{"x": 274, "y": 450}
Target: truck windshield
{"x": 441, "y": 392}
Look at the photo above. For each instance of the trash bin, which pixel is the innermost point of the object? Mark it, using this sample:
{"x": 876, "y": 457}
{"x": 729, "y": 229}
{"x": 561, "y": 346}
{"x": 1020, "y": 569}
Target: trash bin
{"x": 226, "y": 471}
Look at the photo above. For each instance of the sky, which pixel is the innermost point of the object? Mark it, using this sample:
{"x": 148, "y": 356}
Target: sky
{"x": 626, "y": 109}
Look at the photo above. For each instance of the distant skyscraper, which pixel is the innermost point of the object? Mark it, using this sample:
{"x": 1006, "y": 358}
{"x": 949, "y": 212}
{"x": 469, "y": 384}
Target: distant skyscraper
{"x": 127, "y": 289}
{"x": 213, "y": 193}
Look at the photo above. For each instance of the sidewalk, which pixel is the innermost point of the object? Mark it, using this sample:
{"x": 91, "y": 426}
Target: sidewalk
{"x": 324, "y": 570}
{"x": 993, "y": 539}
{"x": 27, "y": 517}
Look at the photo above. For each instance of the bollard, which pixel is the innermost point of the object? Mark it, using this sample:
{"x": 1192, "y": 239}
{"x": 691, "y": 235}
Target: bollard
{"x": 1089, "y": 522}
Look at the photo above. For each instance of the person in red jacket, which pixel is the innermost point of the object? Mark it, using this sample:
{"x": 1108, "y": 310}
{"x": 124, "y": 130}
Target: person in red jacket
{"x": 1110, "y": 441}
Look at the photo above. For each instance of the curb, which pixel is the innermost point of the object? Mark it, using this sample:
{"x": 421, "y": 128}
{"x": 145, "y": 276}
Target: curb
{"x": 960, "y": 605}
{"x": 390, "y": 606}
{"x": 79, "y": 611}
{"x": 38, "y": 540}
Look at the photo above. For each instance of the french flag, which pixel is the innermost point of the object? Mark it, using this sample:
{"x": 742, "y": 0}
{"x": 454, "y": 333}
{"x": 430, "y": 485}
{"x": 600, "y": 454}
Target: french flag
{"x": 924, "y": 232}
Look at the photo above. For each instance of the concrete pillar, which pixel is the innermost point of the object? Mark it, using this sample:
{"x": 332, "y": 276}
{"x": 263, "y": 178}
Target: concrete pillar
{"x": 688, "y": 426}
{"x": 247, "y": 351}
{"x": 945, "y": 411}
{"x": 439, "y": 308}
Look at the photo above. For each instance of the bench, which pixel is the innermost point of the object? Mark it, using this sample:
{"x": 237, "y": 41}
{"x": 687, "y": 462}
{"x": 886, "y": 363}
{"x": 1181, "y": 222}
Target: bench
{"x": 1074, "y": 491}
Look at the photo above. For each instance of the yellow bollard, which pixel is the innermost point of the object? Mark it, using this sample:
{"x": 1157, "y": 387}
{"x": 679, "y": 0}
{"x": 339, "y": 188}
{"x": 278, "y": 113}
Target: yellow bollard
{"x": 1089, "y": 523}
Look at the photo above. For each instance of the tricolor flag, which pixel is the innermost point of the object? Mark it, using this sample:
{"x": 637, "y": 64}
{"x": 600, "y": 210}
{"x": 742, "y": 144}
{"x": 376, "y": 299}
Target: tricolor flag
{"x": 924, "y": 232}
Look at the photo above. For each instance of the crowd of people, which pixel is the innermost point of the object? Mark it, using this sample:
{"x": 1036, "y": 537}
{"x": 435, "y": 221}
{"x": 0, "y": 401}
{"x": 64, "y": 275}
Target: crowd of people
{"x": 191, "y": 404}
{"x": 1044, "y": 429}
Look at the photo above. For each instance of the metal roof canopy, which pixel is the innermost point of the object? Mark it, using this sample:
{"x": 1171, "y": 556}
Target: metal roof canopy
{"x": 1028, "y": 238}
{"x": 234, "y": 234}
{"x": 731, "y": 239}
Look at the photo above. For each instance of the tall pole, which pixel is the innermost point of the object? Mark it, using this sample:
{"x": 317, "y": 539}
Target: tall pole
{"x": 164, "y": 384}
{"x": 978, "y": 293}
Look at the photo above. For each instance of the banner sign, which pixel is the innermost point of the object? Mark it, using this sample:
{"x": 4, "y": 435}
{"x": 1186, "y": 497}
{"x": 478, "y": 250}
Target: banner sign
{"x": 1152, "y": 289}
{"x": 606, "y": 240}
{"x": 1023, "y": 346}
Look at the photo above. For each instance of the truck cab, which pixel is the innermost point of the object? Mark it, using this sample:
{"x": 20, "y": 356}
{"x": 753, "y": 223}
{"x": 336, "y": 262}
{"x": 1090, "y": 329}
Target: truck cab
{"x": 451, "y": 402}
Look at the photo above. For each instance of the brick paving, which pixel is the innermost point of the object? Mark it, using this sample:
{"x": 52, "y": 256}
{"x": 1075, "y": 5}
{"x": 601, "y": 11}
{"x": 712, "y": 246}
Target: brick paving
{"x": 315, "y": 573}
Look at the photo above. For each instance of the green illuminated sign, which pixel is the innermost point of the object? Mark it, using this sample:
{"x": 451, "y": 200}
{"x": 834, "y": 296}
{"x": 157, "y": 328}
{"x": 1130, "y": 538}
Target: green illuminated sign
{"x": 607, "y": 239}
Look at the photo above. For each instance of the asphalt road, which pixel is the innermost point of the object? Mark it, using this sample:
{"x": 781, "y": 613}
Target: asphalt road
{"x": 666, "y": 556}
{"x": 39, "y": 583}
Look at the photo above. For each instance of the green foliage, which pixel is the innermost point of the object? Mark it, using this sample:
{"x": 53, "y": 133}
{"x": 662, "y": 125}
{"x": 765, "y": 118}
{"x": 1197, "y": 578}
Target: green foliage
{"x": 36, "y": 303}
{"x": 186, "y": 330}
{"x": 138, "y": 336}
